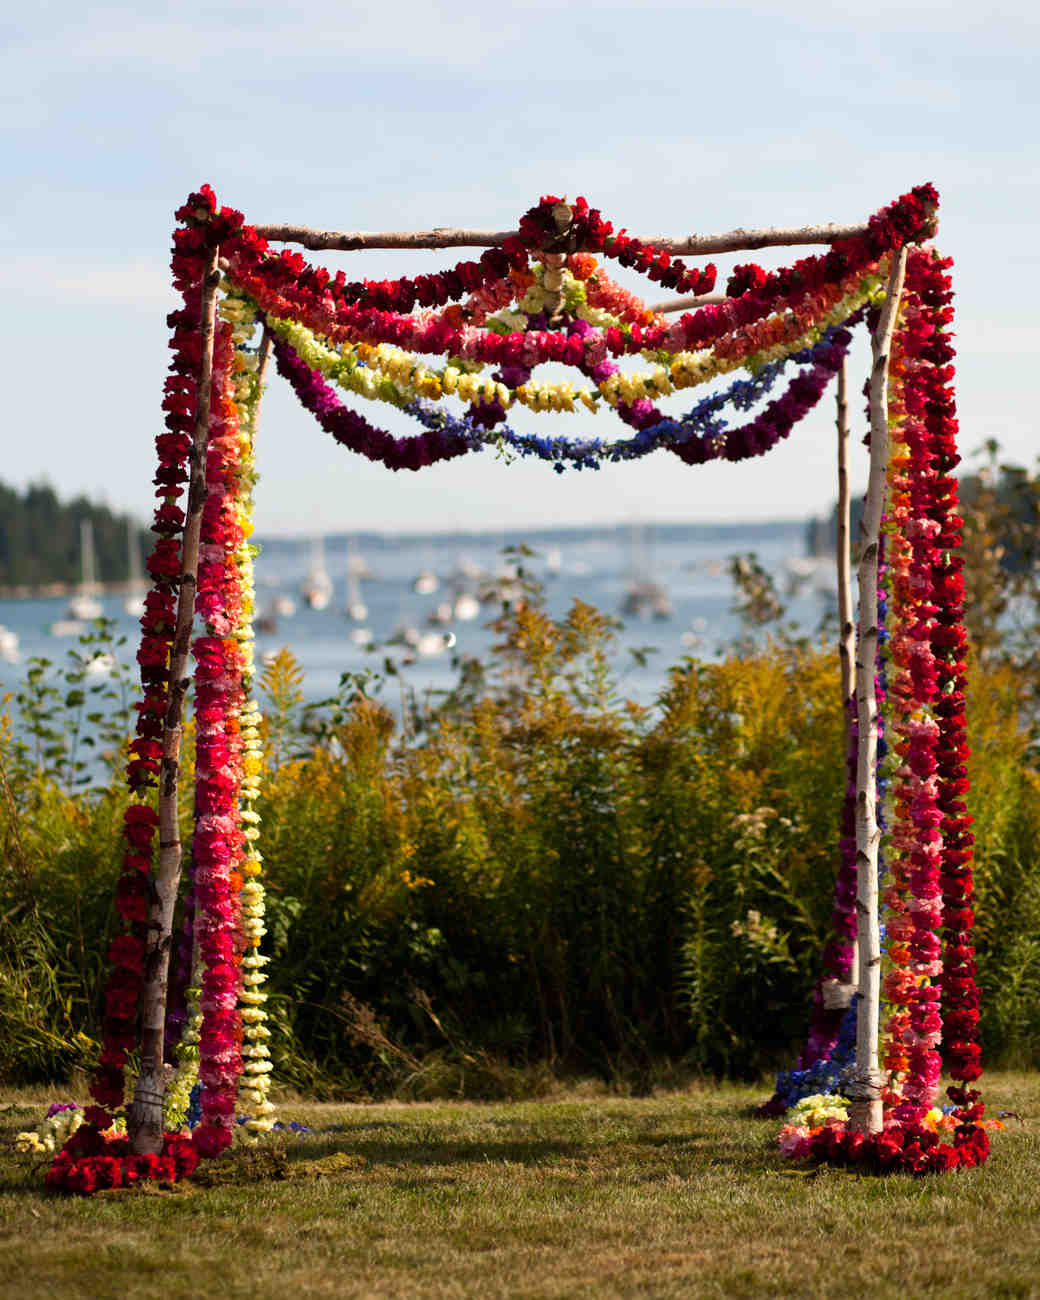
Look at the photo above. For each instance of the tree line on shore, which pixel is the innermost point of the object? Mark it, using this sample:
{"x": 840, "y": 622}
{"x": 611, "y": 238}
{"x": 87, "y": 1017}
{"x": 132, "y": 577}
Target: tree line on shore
{"x": 41, "y": 539}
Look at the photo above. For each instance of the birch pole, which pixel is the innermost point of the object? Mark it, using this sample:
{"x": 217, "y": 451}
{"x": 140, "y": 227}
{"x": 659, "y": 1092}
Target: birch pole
{"x": 145, "y": 1120}
{"x": 846, "y": 627}
{"x": 263, "y": 356}
{"x": 865, "y": 1088}
{"x": 689, "y": 303}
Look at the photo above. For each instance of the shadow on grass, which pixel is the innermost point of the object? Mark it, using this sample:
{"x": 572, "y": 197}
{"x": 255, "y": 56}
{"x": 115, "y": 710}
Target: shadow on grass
{"x": 697, "y": 1149}
{"x": 414, "y": 1152}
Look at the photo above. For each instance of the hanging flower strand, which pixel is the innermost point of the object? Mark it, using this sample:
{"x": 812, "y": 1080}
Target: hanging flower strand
{"x": 254, "y": 1082}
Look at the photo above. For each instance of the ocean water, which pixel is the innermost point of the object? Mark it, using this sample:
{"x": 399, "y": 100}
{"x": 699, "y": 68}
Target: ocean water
{"x": 597, "y": 565}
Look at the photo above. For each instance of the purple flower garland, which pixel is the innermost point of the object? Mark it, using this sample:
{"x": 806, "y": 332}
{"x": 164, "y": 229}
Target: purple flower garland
{"x": 447, "y": 437}
{"x": 353, "y": 430}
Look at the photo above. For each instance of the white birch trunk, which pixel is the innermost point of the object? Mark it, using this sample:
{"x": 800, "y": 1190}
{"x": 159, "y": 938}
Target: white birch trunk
{"x": 865, "y": 1088}
{"x": 846, "y": 627}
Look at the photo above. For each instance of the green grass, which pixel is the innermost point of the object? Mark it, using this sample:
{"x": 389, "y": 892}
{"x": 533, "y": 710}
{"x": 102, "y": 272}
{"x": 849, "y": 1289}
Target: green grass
{"x": 680, "y": 1194}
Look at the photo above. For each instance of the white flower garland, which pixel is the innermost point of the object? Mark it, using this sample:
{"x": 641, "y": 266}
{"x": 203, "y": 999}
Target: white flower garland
{"x": 254, "y": 1083}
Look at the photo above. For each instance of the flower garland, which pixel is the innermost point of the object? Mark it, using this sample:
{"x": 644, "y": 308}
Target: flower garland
{"x": 914, "y": 1027}
{"x": 391, "y": 375}
{"x": 285, "y": 286}
{"x": 446, "y": 437}
{"x": 254, "y": 1082}
{"x": 931, "y": 840}
{"x": 182, "y": 1083}
{"x": 91, "y": 1160}
{"x": 60, "y": 1122}
{"x": 816, "y": 1128}
{"x": 219, "y": 699}
{"x": 929, "y": 398}
{"x": 539, "y": 228}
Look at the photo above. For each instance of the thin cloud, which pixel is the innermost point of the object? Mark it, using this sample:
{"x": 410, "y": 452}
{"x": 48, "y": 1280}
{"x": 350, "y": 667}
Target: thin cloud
{"x": 67, "y": 279}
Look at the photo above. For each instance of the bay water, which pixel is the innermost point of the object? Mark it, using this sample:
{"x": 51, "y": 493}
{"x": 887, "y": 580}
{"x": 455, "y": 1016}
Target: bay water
{"x": 603, "y": 566}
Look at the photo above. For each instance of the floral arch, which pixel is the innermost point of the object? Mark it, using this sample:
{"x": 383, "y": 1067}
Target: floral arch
{"x": 476, "y": 333}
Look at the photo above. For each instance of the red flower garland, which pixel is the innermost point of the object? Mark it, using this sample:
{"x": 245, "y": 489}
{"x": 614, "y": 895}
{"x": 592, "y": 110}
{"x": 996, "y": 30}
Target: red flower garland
{"x": 935, "y": 757}
{"x": 286, "y": 286}
{"x": 934, "y": 404}
{"x": 909, "y": 1148}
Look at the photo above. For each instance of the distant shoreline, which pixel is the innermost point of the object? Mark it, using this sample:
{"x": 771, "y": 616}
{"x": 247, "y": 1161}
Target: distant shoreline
{"x": 755, "y": 529}
{"x": 63, "y": 590}
{"x": 746, "y": 532}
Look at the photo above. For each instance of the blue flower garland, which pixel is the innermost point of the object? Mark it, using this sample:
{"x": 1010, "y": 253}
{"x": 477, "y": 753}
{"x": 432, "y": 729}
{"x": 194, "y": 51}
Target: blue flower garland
{"x": 825, "y": 1076}
{"x": 588, "y": 453}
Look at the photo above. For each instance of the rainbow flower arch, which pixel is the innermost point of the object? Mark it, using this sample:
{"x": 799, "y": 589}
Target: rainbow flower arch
{"x": 457, "y": 351}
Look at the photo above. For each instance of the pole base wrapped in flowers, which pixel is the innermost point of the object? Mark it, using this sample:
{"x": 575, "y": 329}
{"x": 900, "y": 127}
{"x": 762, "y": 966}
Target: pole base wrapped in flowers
{"x": 90, "y": 1161}
{"x": 817, "y": 1129}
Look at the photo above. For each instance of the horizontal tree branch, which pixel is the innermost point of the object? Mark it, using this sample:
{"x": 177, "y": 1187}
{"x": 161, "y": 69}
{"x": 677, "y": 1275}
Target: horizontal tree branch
{"x": 687, "y": 304}
{"x": 452, "y": 237}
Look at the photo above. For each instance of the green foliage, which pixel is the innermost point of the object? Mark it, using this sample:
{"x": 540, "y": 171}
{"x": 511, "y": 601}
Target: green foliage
{"x": 63, "y": 744}
{"x": 535, "y": 875}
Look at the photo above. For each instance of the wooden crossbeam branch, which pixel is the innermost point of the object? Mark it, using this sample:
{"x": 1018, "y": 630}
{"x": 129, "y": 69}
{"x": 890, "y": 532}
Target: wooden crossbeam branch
{"x": 687, "y": 304}
{"x": 450, "y": 237}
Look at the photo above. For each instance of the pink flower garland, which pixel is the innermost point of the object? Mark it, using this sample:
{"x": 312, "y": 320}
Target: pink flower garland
{"x": 915, "y": 898}
{"x": 219, "y": 696}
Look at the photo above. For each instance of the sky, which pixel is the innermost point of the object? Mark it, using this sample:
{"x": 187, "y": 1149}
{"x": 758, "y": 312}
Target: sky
{"x": 671, "y": 118}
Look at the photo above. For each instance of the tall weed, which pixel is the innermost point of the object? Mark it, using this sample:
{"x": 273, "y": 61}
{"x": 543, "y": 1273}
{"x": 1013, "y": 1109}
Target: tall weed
{"x": 536, "y": 874}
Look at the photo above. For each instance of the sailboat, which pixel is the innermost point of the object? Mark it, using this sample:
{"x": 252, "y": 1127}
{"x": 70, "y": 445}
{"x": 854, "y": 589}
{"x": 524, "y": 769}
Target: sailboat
{"x": 317, "y": 586}
{"x": 133, "y": 603}
{"x": 9, "y": 649}
{"x": 84, "y": 605}
{"x": 644, "y": 597}
{"x": 357, "y": 610}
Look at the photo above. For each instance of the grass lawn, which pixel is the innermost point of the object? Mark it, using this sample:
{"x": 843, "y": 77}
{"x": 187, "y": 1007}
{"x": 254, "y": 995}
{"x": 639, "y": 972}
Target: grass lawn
{"x": 680, "y": 1194}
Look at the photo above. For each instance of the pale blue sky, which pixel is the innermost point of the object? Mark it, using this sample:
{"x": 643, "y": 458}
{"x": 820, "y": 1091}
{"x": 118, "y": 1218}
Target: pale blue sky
{"x": 671, "y": 118}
